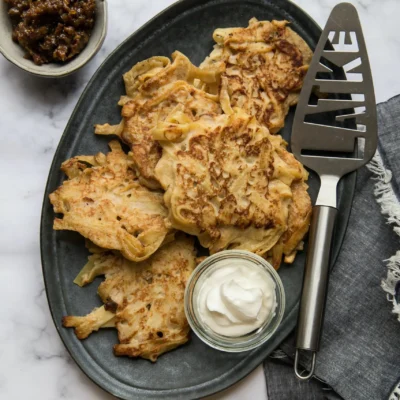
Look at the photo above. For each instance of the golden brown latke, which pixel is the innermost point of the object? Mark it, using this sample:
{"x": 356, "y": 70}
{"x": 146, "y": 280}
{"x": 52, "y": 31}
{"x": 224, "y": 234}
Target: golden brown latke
{"x": 104, "y": 202}
{"x": 228, "y": 181}
{"x": 298, "y": 223}
{"x": 155, "y": 88}
{"x": 262, "y": 68}
{"x": 144, "y": 300}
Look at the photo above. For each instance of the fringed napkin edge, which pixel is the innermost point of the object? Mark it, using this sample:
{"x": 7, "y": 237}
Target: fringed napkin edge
{"x": 390, "y": 207}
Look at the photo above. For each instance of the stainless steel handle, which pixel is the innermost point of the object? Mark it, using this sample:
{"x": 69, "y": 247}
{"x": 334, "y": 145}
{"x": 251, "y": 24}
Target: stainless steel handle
{"x": 315, "y": 284}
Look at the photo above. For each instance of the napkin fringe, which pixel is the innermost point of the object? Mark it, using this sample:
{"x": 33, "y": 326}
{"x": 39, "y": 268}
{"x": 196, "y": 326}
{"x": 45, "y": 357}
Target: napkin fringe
{"x": 390, "y": 207}
{"x": 395, "y": 395}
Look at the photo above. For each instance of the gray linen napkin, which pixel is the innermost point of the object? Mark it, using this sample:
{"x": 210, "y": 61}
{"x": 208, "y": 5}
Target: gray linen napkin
{"x": 360, "y": 349}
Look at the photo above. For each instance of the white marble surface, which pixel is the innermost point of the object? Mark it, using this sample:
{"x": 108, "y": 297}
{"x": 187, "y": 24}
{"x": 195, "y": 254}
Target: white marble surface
{"x": 34, "y": 112}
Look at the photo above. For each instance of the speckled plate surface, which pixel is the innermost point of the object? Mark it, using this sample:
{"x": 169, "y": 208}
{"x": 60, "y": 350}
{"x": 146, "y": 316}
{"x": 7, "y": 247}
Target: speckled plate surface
{"x": 193, "y": 370}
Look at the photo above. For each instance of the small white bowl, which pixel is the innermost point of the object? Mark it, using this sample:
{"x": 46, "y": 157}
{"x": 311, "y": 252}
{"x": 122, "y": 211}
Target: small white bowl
{"x": 225, "y": 343}
{"x": 15, "y": 53}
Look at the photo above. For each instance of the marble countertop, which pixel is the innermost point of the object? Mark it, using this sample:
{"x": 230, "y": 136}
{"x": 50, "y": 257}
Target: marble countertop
{"x": 34, "y": 363}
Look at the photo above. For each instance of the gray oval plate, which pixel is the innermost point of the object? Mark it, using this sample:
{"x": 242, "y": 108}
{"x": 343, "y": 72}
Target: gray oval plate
{"x": 193, "y": 370}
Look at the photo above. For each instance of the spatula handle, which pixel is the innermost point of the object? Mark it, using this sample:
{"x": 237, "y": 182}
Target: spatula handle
{"x": 315, "y": 284}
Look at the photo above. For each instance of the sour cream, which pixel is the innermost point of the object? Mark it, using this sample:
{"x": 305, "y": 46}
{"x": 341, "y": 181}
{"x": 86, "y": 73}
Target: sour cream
{"x": 236, "y": 298}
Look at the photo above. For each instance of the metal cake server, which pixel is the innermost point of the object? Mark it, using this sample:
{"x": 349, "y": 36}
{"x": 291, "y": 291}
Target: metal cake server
{"x": 331, "y": 150}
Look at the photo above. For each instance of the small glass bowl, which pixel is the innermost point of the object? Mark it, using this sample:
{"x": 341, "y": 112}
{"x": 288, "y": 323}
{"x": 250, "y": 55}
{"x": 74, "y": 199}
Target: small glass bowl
{"x": 225, "y": 343}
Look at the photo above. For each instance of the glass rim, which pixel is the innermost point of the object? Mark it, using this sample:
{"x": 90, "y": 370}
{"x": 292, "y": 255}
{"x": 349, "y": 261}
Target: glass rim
{"x": 246, "y": 342}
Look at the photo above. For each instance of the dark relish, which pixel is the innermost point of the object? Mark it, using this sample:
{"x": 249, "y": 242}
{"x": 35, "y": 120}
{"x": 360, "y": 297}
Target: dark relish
{"x": 51, "y": 30}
